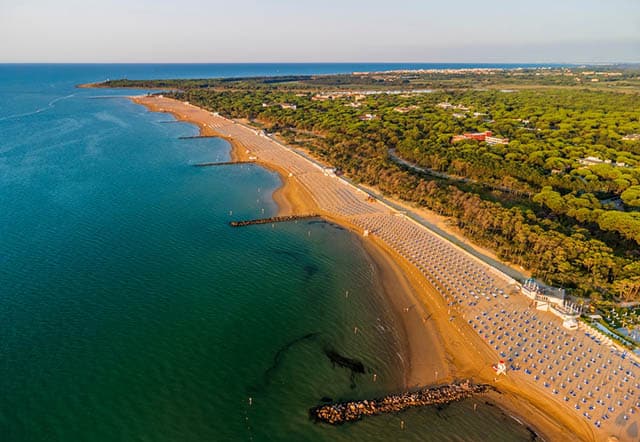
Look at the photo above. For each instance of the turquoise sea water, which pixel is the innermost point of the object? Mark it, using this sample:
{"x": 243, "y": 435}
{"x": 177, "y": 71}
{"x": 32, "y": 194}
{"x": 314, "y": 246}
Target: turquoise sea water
{"x": 129, "y": 310}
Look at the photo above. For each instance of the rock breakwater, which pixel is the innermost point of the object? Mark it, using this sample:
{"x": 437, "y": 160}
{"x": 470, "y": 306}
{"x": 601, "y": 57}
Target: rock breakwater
{"x": 351, "y": 411}
{"x": 222, "y": 163}
{"x": 273, "y": 219}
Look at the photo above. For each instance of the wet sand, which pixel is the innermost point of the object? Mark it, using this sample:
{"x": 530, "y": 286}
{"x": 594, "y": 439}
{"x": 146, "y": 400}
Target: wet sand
{"x": 440, "y": 347}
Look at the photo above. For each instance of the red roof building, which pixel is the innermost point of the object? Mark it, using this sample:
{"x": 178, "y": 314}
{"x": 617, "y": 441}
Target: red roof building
{"x": 478, "y": 136}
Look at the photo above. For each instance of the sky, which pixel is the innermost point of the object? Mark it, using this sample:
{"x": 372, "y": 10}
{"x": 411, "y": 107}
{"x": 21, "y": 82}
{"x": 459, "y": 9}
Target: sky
{"x": 201, "y": 31}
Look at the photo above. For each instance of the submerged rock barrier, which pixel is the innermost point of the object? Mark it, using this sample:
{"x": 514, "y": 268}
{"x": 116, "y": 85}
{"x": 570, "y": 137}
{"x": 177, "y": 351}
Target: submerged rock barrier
{"x": 350, "y": 411}
{"x": 222, "y": 163}
{"x": 273, "y": 219}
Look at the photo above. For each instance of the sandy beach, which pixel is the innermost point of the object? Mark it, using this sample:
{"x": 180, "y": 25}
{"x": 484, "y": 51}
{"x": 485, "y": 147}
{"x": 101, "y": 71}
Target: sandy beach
{"x": 440, "y": 344}
{"x": 426, "y": 358}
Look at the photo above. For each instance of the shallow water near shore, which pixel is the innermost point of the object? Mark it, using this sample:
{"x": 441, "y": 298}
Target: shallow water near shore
{"x": 129, "y": 309}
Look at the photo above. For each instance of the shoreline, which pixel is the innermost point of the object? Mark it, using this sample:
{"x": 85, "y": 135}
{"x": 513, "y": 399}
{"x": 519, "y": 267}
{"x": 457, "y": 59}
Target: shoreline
{"x": 101, "y": 85}
{"x": 292, "y": 198}
{"x": 443, "y": 223}
{"x": 462, "y": 355}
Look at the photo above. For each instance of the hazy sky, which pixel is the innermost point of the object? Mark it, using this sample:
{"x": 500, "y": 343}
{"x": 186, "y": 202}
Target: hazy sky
{"x": 319, "y": 30}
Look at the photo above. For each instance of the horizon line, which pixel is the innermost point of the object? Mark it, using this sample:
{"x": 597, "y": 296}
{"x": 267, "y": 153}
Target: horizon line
{"x": 559, "y": 63}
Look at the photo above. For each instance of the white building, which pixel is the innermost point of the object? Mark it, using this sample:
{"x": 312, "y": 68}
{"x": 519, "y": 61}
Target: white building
{"x": 541, "y": 293}
{"x": 496, "y": 140}
{"x": 553, "y": 300}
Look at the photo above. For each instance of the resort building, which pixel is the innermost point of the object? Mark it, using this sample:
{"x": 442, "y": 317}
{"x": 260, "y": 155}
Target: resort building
{"x": 356, "y": 95}
{"x": 496, "y": 140}
{"x": 282, "y": 105}
{"x": 478, "y": 136}
{"x": 590, "y": 161}
{"x": 552, "y": 300}
{"x": 447, "y": 105}
{"x": 539, "y": 292}
{"x": 405, "y": 109}
{"x": 329, "y": 171}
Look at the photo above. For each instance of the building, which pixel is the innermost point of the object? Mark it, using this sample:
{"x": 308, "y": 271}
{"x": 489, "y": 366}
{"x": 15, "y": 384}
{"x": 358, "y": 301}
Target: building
{"x": 541, "y": 293}
{"x": 405, "y": 109}
{"x": 590, "y": 161}
{"x": 329, "y": 171}
{"x": 570, "y": 323}
{"x": 496, "y": 140}
{"x": 447, "y": 105}
{"x": 478, "y": 136}
{"x": 553, "y": 300}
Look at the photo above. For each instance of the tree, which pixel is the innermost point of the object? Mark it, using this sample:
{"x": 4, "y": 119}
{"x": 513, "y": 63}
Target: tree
{"x": 631, "y": 196}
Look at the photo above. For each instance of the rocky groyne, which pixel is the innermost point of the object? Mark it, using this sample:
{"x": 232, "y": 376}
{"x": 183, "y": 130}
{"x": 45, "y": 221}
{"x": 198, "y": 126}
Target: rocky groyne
{"x": 222, "y": 163}
{"x": 273, "y": 219}
{"x": 350, "y": 411}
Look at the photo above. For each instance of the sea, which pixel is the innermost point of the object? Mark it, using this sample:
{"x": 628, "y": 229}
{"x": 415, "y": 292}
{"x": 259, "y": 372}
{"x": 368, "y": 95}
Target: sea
{"x": 131, "y": 311}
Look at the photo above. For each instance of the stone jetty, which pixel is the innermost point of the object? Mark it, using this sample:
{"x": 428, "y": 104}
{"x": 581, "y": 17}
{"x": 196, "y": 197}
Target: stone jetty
{"x": 350, "y": 411}
{"x": 222, "y": 163}
{"x": 194, "y": 137}
{"x": 273, "y": 219}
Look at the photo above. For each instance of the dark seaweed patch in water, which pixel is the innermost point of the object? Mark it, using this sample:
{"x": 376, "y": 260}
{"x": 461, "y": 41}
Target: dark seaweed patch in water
{"x": 353, "y": 365}
{"x": 326, "y": 399}
{"x": 343, "y": 361}
{"x": 290, "y": 253}
{"x": 323, "y": 223}
{"x": 310, "y": 270}
{"x": 277, "y": 359}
